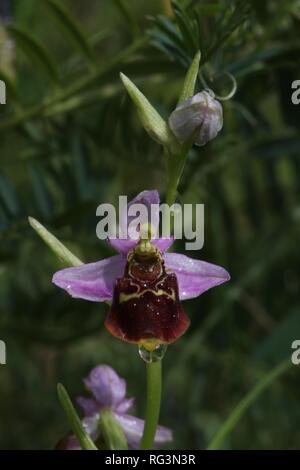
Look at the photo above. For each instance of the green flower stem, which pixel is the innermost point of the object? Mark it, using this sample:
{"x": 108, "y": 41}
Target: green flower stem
{"x": 246, "y": 402}
{"x": 174, "y": 176}
{"x": 175, "y": 163}
{"x": 153, "y": 404}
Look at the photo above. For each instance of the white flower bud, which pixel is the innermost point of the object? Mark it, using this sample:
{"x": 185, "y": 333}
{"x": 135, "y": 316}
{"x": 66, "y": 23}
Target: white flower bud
{"x": 201, "y": 114}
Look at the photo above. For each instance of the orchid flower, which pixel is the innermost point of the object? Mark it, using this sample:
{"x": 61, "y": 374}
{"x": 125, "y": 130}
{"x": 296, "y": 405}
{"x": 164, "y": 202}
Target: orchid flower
{"x": 145, "y": 283}
{"x": 108, "y": 391}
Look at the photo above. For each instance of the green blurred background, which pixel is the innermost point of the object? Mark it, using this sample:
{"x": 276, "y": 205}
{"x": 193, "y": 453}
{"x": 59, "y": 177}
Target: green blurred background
{"x": 70, "y": 140}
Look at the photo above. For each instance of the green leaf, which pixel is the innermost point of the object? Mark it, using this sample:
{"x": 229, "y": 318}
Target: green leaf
{"x": 224, "y": 29}
{"x": 151, "y": 120}
{"x": 72, "y": 30}
{"x": 234, "y": 417}
{"x": 62, "y": 252}
{"x": 8, "y": 196}
{"x": 24, "y": 12}
{"x": 167, "y": 26}
{"x": 190, "y": 79}
{"x": 84, "y": 439}
{"x": 102, "y": 75}
{"x": 79, "y": 166}
{"x": 40, "y": 191}
{"x": 111, "y": 431}
{"x": 35, "y": 51}
{"x": 185, "y": 26}
{"x": 126, "y": 12}
{"x": 277, "y": 345}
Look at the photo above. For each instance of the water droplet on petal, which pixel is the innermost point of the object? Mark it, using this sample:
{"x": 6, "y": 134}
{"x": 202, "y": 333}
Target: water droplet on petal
{"x": 153, "y": 356}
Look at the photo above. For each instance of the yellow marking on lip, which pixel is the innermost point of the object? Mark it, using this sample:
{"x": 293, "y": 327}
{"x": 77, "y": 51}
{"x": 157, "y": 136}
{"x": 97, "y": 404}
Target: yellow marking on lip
{"x": 136, "y": 295}
{"x": 150, "y": 344}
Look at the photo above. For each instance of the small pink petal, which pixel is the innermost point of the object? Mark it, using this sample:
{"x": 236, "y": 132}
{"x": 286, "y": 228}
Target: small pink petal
{"x": 122, "y": 246}
{"x": 164, "y": 243}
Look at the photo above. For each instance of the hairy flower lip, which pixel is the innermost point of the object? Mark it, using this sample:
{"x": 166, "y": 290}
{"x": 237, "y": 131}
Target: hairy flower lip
{"x": 146, "y": 307}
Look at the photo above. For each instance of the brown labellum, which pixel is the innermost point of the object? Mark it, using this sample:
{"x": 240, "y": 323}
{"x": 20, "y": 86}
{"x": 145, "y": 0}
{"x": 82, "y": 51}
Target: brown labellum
{"x": 146, "y": 308}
